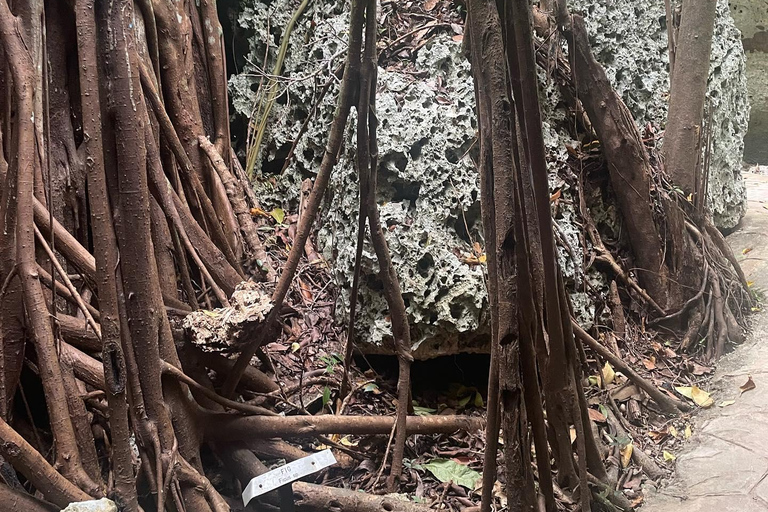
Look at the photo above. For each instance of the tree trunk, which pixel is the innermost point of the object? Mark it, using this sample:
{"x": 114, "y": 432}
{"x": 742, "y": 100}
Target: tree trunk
{"x": 683, "y": 135}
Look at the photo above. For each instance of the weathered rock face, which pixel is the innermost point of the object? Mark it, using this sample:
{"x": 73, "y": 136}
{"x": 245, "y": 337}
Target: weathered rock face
{"x": 751, "y": 19}
{"x": 629, "y": 38}
{"x": 428, "y": 185}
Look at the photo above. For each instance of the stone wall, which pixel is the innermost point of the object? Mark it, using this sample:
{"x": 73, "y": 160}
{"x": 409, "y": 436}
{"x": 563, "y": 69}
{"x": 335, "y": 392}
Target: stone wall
{"x": 751, "y": 17}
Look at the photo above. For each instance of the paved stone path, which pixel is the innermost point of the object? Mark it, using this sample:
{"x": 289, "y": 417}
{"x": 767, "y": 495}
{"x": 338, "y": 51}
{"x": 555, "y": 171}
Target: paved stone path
{"x": 724, "y": 467}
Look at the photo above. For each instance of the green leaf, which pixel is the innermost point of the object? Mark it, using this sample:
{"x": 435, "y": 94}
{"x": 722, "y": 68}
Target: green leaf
{"x": 278, "y": 214}
{"x": 464, "y": 401}
{"x": 423, "y": 411}
{"x": 326, "y": 395}
{"x": 451, "y": 471}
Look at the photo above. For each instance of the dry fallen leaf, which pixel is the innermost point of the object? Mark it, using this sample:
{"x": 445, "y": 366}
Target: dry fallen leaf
{"x": 672, "y": 431}
{"x": 748, "y": 386}
{"x": 626, "y": 455}
{"x": 608, "y": 374}
{"x": 747, "y": 250}
{"x": 658, "y": 435}
{"x": 259, "y": 212}
{"x": 668, "y": 456}
{"x": 596, "y": 416}
{"x": 700, "y": 369}
{"x": 726, "y": 403}
{"x": 698, "y": 395}
{"x": 688, "y": 432}
{"x": 430, "y": 4}
{"x": 625, "y": 392}
{"x": 702, "y": 398}
{"x": 650, "y": 364}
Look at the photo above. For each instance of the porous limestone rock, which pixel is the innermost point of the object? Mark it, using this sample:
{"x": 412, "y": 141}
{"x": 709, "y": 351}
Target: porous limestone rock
{"x": 102, "y": 505}
{"x": 227, "y": 329}
{"x": 428, "y": 186}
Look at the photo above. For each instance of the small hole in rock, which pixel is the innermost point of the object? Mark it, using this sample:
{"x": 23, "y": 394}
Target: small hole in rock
{"x": 425, "y": 264}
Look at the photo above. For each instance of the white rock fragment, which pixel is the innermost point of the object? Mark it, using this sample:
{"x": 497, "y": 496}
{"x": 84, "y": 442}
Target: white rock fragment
{"x": 102, "y": 505}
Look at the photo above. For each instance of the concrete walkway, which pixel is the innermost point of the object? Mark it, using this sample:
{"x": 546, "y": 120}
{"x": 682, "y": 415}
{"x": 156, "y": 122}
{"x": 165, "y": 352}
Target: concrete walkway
{"x": 724, "y": 467}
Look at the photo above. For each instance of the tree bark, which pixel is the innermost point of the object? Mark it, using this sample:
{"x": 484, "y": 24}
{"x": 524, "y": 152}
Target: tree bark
{"x": 683, "y": 134}
{"x": 628, "y": 164}
{"x": 234, "y": 428}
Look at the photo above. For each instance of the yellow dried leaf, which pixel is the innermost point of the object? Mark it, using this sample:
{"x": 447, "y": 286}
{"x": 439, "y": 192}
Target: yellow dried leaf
{"x": 702, "y": 398}
{"x": 688, "y": 432}
{"x": 672, "y": 431}
{"x": 608, "y": 374}
{"x": 483, "y": 258}
{"x": 747, "y": 250}
{"x": 698, "y": 395}
{"x": 726, "y": 403}
{"x": 626, "y": 455}
{"x": 668, "y": 456}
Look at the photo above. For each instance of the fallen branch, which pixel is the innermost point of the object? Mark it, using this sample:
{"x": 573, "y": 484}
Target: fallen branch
{"x": 232, "y": 428}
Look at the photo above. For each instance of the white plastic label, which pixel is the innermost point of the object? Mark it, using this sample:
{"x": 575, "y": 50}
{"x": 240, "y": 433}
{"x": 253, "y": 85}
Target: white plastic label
{"x": 286, "y": 474}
